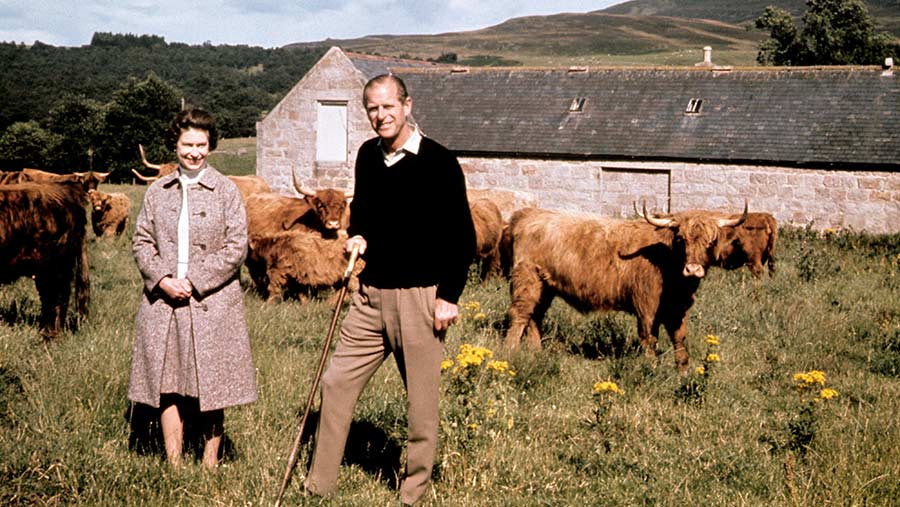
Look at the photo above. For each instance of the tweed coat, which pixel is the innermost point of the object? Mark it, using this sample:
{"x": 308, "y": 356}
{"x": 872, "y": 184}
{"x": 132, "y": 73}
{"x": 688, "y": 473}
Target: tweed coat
{"x": 218, "y": 245}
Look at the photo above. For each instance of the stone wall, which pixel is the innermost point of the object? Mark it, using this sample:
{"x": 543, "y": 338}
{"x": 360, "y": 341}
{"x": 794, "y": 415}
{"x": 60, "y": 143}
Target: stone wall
{"x": 286, "y": 138}
{"x": 819, "y": 198}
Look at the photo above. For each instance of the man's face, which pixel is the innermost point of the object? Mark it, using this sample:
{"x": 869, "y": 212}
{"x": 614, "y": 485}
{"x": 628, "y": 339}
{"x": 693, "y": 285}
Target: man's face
{"x": 387, "y": 113}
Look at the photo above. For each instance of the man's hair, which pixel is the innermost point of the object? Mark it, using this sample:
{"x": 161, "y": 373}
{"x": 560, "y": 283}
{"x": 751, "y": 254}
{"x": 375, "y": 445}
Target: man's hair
{"x": 192, "y": 118}
{"x": 402, "y": 94}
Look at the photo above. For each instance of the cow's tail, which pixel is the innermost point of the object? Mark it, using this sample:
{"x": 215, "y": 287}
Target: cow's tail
{"x": 82, "y": 282}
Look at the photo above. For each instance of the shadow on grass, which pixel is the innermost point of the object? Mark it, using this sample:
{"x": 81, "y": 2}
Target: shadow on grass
{"x": 369, "y": 447}
{"x": 145, "y": 434}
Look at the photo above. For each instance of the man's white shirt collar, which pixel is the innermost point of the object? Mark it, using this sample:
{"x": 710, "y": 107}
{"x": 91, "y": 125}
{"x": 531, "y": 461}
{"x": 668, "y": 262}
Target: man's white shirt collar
{"x": 411, "y": 145}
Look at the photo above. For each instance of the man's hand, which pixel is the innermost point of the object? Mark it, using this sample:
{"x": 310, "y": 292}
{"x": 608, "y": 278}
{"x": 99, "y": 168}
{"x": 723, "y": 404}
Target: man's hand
{"x": 444, "y": 314}
{"x": 355, "y": 241}
{"x": 178, "y": 289}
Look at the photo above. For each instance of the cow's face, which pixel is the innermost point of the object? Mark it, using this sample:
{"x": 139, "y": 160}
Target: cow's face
{"x": 329, "y": 206}
{"x": 98, "y": 199}
{"x": 695, "y": 235}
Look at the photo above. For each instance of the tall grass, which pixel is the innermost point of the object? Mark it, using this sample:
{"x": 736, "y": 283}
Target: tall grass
{"x": 834, "y": 306}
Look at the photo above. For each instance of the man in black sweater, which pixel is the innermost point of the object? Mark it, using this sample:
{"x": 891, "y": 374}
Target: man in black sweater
{"x": 410, "y": 220}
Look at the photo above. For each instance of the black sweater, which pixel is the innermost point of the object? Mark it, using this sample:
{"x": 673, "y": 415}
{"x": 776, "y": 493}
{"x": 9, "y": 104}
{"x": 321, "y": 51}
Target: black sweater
{"x": 415, "y": 219}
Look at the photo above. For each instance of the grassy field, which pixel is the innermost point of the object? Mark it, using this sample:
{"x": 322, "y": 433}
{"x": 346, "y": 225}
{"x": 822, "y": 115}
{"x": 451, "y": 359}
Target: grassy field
{"x": 552, "y": 434}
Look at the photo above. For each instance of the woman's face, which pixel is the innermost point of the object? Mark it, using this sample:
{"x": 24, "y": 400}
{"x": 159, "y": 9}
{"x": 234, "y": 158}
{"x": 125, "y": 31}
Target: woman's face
{"x": 192, "y": 149}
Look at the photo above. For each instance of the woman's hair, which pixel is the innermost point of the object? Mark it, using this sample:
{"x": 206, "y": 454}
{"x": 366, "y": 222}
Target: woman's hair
{"x": 192, "y": 118}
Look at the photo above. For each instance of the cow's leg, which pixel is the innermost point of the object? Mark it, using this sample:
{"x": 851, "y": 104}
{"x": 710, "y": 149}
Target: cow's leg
{"x": 525, "y": 287}
{"x": 276, "y": 285}
{"x": 646, "y": 310}
{"x": 490, "y": 265}
{"x": 53, "y": 290}
{"x": 533, "y": 330}
{"x": 677, "y": 329}
{"x": 648, "y": 330}
{"x": 756, "y": 265}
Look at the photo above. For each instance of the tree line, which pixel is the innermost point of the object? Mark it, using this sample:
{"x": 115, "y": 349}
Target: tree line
{"x": 73, "y": 109}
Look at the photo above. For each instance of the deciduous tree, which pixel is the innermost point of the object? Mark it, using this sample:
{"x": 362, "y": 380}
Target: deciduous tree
{"x": 835, "y": 32}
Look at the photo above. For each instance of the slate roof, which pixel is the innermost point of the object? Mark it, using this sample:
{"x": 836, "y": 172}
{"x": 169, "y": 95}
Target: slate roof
{"x": 847, "y": 116}
{"x": 371, "y": 65}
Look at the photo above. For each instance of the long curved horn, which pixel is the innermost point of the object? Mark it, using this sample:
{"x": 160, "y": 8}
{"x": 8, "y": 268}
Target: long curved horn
{"x": 300, "y": 188}
{"x": 145, "y": 179}
{"x": 658, "y": 222}
{"x": 147, "y": 164}
{"x": 734, "y": 222}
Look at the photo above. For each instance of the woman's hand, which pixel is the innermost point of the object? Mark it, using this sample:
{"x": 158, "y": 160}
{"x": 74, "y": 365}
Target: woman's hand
{"x": 179, "y": 289}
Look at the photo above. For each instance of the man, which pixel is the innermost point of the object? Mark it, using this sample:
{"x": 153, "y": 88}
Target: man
{"x": 410, "y": 220}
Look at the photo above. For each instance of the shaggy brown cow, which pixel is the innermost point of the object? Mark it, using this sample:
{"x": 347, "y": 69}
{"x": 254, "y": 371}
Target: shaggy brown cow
{"x": 42, "y": 231}
{"x": 109, "y": 212}
{"x": 247, "y": 185}
{"x": 299, "y": 263}
{"x": 650, "y": 268}
{"x": 250, "y": 184}
{"x": 488, "y": 229}
{"x": 750, "y": 244}
{"x": 86, "y": 180}
{"x": 159, "y": 170}
{"x": 322, "y": 211}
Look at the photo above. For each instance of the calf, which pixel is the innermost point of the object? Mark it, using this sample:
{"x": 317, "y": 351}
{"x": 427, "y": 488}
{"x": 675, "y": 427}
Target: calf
{"x": 298, "y": 263}
{"x": 109, "y": 212}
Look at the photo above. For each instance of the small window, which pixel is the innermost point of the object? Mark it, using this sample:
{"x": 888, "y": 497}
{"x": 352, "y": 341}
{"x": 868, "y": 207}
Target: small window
{"x": 693, "y": 106}
{"x": 577, "y": 105}
{"x": 331, "y": 131}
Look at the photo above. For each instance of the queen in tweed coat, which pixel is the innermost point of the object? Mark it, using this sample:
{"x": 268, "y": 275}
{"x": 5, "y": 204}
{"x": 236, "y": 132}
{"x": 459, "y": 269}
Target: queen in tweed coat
{"x": 218, "y": 237}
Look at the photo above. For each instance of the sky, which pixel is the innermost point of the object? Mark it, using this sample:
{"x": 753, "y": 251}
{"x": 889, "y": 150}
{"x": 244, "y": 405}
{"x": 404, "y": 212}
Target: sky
{"x": 264, "y": 23}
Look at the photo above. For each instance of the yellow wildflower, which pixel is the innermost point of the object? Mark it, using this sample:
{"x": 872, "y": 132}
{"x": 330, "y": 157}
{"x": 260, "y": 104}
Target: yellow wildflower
{"x": 473, "y": 426}
{"x": 479, "y": 316}
{"x": 828, "y": 393}
{"x": 473, "y": 306}
{"x": 606, "y": 386}
{"x": 712, "y": 358}
{"x": 498, "y": 366}
{"x": 446, "y": 364}
{"x": 808, "y": 379}
{"x": 712, "y": 339}
{"x": 700, "y": 371}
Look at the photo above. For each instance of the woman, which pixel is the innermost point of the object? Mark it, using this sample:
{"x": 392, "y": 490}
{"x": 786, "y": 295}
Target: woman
{"x": 191, "y": 344}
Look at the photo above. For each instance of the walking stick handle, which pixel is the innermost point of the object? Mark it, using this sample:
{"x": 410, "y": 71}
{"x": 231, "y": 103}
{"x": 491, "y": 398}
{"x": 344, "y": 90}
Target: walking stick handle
{"x": 353, "y": 255}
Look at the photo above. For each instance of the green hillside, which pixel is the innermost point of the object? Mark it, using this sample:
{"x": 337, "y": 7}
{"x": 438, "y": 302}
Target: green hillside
{"x": 885, "y": 12}
{"x": 593, "y": 38}
{"x": 639, "y": 32}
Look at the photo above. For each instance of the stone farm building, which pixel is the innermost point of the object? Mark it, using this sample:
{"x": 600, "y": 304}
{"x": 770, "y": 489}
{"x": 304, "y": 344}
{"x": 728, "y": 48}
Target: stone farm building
{"x": 815, "y": 146}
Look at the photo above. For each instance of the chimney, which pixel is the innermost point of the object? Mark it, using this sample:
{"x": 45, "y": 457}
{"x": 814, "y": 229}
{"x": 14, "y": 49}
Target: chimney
{"x": 707, "y": 58}
{"x": 888, "y": 67}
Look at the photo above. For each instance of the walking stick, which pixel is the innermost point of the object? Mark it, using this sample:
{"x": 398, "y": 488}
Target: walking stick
{"x": 292, "y": 459}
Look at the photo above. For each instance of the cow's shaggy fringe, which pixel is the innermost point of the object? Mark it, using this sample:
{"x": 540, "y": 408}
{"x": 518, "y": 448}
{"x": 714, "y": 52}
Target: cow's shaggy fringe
{"x": 65, "y": 427}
